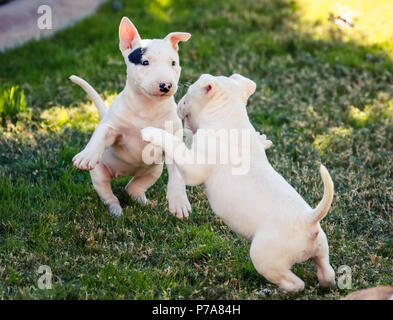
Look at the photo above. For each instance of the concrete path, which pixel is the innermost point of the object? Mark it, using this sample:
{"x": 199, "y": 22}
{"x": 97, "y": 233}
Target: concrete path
{"x": 18, "y": 18}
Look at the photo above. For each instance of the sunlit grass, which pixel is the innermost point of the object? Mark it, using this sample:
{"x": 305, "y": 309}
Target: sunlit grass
{"x": 12, "y": 104}
{"x": 363, "y": 21}
{"x": 160, "y": 9}
{"x": 334, "y": 137}
{"x": 358, "y": 117}
{"x": 84, "y": 117}
{"x": 380, "y": 110}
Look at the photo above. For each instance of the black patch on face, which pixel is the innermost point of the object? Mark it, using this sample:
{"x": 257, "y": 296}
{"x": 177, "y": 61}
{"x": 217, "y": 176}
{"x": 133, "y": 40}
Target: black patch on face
{"x": 136, "y": 56}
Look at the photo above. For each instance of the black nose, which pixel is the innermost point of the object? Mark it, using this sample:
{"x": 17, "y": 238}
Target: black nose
{"x": 165, "y": 87}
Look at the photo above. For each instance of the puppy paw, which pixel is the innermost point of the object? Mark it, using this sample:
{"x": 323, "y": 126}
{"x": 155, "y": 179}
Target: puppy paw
{"x": 115, "y": 209}
{"x": 291, "y": 286}
{"x": 179, "y": 205}
{"x": 139, "y": 197}
{"x": 327, "y": 285}
{"x": 142, "y": 199}
{"x": 153, "y": 135}
{"x": 326, "y": 277}
{"x": 86, "y": 159}
{"x": 266, "y": 143}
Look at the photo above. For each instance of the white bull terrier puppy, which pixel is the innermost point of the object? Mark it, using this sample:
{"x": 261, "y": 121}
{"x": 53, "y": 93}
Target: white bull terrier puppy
{"x": 258, "y": 204}
{"x": 115, "y": 148}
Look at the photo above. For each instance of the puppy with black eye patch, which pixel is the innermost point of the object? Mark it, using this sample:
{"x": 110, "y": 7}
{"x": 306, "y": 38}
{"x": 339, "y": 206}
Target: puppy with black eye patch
{"x": 115, "y": 148}
{"x": 135, "y": 56}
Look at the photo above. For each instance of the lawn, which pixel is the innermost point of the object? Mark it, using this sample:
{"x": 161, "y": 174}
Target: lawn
{"x": 324, "y": 95}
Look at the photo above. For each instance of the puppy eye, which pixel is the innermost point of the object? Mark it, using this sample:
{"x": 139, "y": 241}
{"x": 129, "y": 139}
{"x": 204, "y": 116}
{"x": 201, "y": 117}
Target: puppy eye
{"x": 145, "y": 63}
{"x": 173, "y": 63}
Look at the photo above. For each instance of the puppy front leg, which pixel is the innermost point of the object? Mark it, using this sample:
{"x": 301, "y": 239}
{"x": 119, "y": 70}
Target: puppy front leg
{"x": 174, "y": 148}
{"x": 103, "y": 136}
{"x": 176, "y": 194}
{"x": 194, "y": 174}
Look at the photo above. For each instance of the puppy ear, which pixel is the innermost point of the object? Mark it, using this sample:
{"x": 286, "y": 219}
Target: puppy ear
{"x": 208, "y": 88}
{"x": 128, "y": 35}
{"x": 175, "y": 37}
{"x": 207, "y": 84}
{"x": 247, "y": 84}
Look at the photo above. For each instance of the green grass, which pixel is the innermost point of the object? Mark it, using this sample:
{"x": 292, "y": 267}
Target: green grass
{"x": 12, "y": 105}
{"x": 319, "y": 99}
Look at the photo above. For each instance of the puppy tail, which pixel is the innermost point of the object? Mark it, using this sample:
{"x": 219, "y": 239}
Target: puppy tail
{"x": 323, "y": 207}
{"x": 100, "y": 104}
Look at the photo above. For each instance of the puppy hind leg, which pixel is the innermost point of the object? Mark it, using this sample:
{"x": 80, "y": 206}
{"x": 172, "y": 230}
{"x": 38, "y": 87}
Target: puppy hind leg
{"x": 270, "y": 261}
{"x": 325, "y": 272}
{"x": 287, "y": 280}
{"x": 138, "y": 185}
{"x": 279, "y": 275}
{"x": 101, "y": 179}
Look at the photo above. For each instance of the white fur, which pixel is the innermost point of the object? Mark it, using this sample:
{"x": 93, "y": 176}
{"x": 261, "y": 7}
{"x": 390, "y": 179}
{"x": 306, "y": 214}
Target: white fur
{"x": 115, "y": 148}
{"x": 259, "y": 205}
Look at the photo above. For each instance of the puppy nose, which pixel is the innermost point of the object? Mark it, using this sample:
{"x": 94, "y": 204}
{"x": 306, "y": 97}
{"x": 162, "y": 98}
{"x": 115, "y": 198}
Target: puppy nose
{"x": 165, "y": 87}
